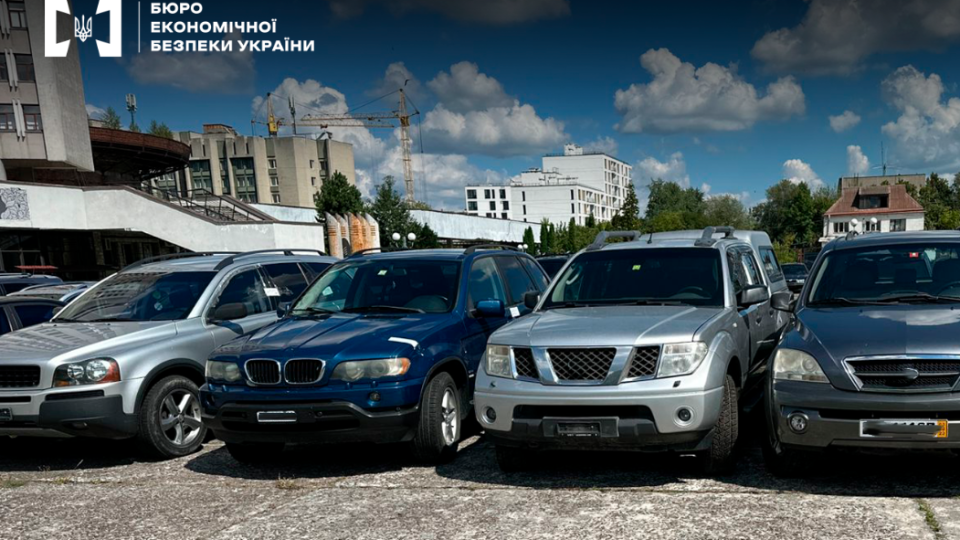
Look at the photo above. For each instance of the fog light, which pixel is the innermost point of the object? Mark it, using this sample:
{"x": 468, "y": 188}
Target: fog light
{"x": 374, "y": 396}
{"x": 797, "y": 422}
{"x": 490, "y": 414}
{"x": 684, "y": 416}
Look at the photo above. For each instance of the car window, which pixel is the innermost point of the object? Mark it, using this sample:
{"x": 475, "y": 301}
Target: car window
{"x": 517, "y": 280}
{"x": 14, "y": 287}
{"x": 245, "y": 288}
{"x": 4, "y": 323}
{"x": 288, "y": 278}
{"x": 314, "y": 269}
{"x": 32, "y": 314}
{"x": 539, "y": 277}
{"x": 736, "y": 276}
{"x": 139, "y": 296}
{"x": 484, "y": 283}
{"x": 770, "y": 264}
{"x": 750, "y": 270}
{"x": 552, "y": 266}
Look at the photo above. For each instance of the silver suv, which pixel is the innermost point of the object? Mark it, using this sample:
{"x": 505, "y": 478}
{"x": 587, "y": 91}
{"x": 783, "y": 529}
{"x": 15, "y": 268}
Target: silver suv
{"x": 126, "y": 358}
{"x": 646, "y": 344}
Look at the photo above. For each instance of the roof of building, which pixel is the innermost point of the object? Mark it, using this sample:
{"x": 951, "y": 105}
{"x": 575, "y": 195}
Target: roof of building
{"x": 898, "y": 201}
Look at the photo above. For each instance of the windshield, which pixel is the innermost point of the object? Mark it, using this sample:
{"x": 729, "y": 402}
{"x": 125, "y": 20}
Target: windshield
{"x": 640, "y": 276}
{"x": 139, "y": 296}
{"x": 377, "y": 285}
{"x": 794, "y": 270}
{"x": 552, "y": 266}
{"x": 921, "y": 272}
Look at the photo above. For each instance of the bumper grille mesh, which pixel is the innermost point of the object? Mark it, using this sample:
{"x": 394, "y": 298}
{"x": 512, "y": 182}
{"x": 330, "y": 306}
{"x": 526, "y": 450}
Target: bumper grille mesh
{"x": 581, "y": 365}
{"x": 303, "y": 370}
{"x": 905, "y": 375}
{"x": 526, "y": 367}
{"x": 19, "y": 376}
{"x": 644, "y": 362}
{"x": 263, "y": 371}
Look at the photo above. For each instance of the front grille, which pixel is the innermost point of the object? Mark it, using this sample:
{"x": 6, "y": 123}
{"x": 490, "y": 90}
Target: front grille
{"x": 263, "y": 371}
{"x": 526, "y": 367}
{"x": 581, "y": 365}
{"x": 303, "y": 370}
{"x": 905, "y": 375}
{"x": 19, "y": 376}
{"x": 539, "y": 412}
{"x": 644, "y": 362}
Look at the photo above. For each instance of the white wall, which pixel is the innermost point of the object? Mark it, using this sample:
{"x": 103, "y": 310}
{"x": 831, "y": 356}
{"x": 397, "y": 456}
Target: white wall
{"x": 464, "y": 227}
{"x": 914, "y": 222}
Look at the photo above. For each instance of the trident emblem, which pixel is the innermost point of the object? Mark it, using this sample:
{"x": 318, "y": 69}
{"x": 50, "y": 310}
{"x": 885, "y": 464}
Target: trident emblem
{"x": 83, "y": 29}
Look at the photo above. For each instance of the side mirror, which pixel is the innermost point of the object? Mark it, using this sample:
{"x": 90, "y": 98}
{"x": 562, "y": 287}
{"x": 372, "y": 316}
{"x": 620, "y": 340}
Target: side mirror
{"x": 230, "y": 312}
{"x": 755, "y": 294}
{"x": 490, "y": 308}
{"x": 783, "y": 301}
{"x": 530, "y": 299}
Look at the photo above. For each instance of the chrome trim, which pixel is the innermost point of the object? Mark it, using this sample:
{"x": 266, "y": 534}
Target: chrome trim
{"x": 250, "y": 381}
{"x": 513, "y": 365}
{"x": 614, "y": 373}
{"x": 901, "y": 357}
{"x": 323, "y": 369}
{"x": 633, "y": 353}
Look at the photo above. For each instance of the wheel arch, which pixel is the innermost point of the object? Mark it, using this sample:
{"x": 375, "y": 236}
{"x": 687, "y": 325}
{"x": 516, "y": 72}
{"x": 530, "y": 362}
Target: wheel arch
{"x": 179, "y": 366}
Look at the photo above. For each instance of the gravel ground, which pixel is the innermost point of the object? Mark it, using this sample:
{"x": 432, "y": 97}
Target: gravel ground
{"x": 52, "y": 489}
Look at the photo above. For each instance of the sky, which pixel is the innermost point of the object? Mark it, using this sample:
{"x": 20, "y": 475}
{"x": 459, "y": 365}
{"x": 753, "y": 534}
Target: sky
{"x": 729, "y": 97}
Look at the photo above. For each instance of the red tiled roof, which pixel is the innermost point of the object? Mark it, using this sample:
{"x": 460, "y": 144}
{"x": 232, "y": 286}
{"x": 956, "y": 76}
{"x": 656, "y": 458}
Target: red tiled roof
{"x": 898, "y": 201}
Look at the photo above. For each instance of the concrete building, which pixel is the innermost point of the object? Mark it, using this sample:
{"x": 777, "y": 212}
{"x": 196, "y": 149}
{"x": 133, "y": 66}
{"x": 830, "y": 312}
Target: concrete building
{"x": 574, "y": 185}
{"x": 281, "y": 170}
{"x": 872, "y": 209}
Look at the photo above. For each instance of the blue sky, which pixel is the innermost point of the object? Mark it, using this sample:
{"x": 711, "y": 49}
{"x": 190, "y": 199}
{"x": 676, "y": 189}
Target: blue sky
{"x": 727, "y": 96}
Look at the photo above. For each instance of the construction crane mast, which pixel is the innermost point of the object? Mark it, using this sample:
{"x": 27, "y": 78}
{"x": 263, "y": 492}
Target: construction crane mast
{"x": 376, "y": 120}
{"x": 273, "y": 123}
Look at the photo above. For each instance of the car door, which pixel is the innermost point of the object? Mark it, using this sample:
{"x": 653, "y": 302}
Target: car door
{"x": 247, "y": 287}
{"x": 762, "y": 316}
{"x": 484, "y": 282}
{"x": 536, "y": 271}
{"x": 518, "y": 282}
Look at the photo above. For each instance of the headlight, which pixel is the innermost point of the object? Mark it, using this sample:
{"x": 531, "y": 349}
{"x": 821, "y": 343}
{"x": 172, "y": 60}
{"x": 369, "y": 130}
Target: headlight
{"x": 681, "y": 358}
{"x": 95, "y": 371}
{"x": 794, "y": 365}
{"x": 371, "y": 369}
{"x": 223, "y": 371}
{"x": 498, "y": 362}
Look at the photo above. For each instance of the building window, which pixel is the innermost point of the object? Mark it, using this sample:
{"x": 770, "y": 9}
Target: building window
{"x": 493, "y": 205}
{"x": 503, "y": 194}
{"x": 471, "y": 194}
{"x": 200, "y": 174}
{"x": 224, "y": 176}
{"x": 274, "y": 181}
{"x": 506, "y": 205}
{"x": 7, "y": 119}
{"x": 25, "y": 67}
{"x": 273, "y": 164}
{"x": 573, "y": 209}
{"x": 491, "y": 215}
{"x": 524, "y": 209}
{"x": 488, "y": 194}
{"x": 504, "y": 215}
{"x": 276, "y": 198}
{"x": 840, "y": 227}
{"x": 472, "y": 206}
{"x": 245, "y": 179}
{"x": 18, "y": 14}
{"x": 313, "y": 163}
{"x": 523, "y": 194}
{"x": 898, "y": 225}
{"x": 313, "y": 180}
{"x": 571, "y": 194}
{"x": 869, "y": 226}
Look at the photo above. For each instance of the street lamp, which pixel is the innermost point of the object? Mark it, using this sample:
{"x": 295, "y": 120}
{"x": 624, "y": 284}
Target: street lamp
{"x": 410, "y": 236}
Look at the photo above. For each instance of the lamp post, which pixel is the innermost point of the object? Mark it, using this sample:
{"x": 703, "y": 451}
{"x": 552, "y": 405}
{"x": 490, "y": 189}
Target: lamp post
{"x": 410, "y": 236}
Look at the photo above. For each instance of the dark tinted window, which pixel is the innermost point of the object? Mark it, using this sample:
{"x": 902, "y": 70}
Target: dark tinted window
{"x": 628, "y": 276}
{"x": 4, "y": 323}
{"x": 552, "y": 266}
{"x": 246, "y": 288}
{"x": 140, "y": 296}
{"x": 541, "y": 280}
{"x": 484, "y": 283}
{"x": 770, "y": 264}
{"x": 518, "y": 281}
{"x": 30, "y": 315}
{"x": 288, "y": 278}
{"x": 736, "y": 276}
{"x": 794, "y": 270}
{"x": 315, "y": 268}
{"x": 14, "y": 287}
{"x": 750, "y": 270}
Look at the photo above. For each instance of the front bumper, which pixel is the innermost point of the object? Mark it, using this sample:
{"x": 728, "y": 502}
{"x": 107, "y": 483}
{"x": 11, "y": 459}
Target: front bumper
{"x": 79, "y": 411}
{"x": 637, "y": 415}
{"x": 840, "y": 418}
{"x": 327, "y": 415}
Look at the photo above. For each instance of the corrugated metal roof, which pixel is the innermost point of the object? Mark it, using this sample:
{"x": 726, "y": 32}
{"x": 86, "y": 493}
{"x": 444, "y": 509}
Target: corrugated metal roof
{"x": 898, "y": 201}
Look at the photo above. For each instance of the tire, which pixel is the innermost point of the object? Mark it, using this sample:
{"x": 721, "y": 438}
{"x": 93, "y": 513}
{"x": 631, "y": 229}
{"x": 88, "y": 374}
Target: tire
{"x": 719, "y": 458}
{"x": 438, "y": 431}
{"x": 255, "y": 453}
{"x": 780, "y": 461}
{"x": 169, "y": 422}
{"x": 513, "y": 460}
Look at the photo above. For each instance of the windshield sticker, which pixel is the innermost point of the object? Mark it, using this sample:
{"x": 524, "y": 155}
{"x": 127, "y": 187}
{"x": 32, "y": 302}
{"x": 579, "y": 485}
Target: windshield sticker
{"x": 158, "y": 306}
{"x": 514, "y": 312}
{"x": 327, "y": 291}
{"x": 382, "y": 272}
{"x": 636, "y": 267}
{"x": 271, "y": 291}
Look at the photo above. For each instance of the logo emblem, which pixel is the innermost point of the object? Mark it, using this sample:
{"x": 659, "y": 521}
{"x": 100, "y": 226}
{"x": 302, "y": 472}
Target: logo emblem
{"x": 910, "y": 374}
{"x": 83, "y": 28}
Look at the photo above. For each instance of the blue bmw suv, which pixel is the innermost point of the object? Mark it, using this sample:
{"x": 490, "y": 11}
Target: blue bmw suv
{"x": 381, "y": 347}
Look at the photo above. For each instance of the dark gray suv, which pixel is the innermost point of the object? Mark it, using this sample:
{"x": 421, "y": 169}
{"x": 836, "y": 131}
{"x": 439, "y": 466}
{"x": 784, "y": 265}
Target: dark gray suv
{"x": 871, "y": 358}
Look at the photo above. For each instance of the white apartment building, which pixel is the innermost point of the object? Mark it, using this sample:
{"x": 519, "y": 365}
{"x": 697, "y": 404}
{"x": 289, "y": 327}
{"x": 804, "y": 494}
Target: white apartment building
{"x": 874, "y": 209}
{"x": 573, "y": 185}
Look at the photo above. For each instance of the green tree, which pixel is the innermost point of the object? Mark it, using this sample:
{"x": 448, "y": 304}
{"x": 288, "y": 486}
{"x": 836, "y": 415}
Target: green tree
{"x": 727, "y": 210}
{"x": 667, "y": 221}
{"x": 939, "y": 204}
{"x": 790, "y": 208}
{"x": 628, "y": 218}
{"x": 528, "y": 239}
{"x": 571, "y": 240}
{"x": 548, "y": 237}
{"x": 426, "y": 237}
{"x": 785, "y": 250}
{"x": 393, "y": 216}
{"x": 110, "y": 119}
{"x": 160, "y": 130}
{"x": 671, "y": 197}
{"x": 338, "y": 196}
{"x": 134, "y": 127}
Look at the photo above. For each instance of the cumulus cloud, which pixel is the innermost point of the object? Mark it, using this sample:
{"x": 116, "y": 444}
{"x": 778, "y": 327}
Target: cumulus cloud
{"x": 684, "y": 98}
{"x": 95, "y": 112}
{"x": 798, "y": 171}
{"x": 397, "y": 76}
{"x": 673, "y": 169}
{"x": 857, "y": 162}
{"x": 476, "y": 116}
{"x": 607, "y": 145}
{"x": 215, "y": 73}
{"x": 844, "y": 121}
{"x": 836, "y": 36}
{"x": 927, "y": 133}
{"x": 489, "y": 12}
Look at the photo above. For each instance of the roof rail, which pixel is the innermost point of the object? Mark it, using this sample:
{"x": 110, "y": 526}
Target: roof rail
{"x": 286, "y": 253}
{"x": 601, "y": 239}
{"x": 360, "y": 252}
{"x": 851, "y": 235}
{"x": 172, "y": 256}
{"x": 708, "y": 232}
{"x": 473, "y": 249}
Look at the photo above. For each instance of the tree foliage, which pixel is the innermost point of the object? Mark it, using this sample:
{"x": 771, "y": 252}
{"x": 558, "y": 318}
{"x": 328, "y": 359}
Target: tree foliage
{"x": 393, "y": 216}
{"x": 727, "y": 210}
{"x": 628, "y": 218}
{"x": 110, "y": 119}
{"x": 134, "y": 127}
{"x": 791, "y": 209}
{"x": 940, "y": 203}
{"x": 529, "y": 240}
{"x": 160, "y": 130}
{"x": 338, "y": 196}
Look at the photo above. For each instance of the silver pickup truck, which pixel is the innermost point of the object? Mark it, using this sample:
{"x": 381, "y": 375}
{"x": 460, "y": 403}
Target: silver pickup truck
{"x": 646, "y": 344}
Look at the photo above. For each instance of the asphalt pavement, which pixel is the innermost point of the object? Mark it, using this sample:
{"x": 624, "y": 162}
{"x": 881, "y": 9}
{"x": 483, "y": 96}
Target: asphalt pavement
{"x": 79, "y": 489}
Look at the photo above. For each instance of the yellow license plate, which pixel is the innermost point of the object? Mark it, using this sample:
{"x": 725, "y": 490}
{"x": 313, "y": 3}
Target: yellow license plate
{"x": 944, "y": 429}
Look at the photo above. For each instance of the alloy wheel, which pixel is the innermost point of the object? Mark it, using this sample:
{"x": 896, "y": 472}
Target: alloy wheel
{"x": 450, "y": 417}
{"x": 180, "y": 417}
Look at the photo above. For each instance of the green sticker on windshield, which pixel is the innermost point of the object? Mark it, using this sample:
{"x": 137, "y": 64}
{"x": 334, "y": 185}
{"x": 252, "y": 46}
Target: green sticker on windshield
{"x": 382, "y": 272}
{"x": 636, "y": 267}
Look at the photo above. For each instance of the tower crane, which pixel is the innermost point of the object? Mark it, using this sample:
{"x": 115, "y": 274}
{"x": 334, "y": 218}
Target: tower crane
{"x": 388, "y": 119}
{"x": 273, "y": 123}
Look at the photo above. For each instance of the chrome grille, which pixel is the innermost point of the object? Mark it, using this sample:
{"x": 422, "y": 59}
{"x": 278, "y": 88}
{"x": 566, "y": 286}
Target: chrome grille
{"x": 19, "y": 376}
{"x": 643, "y": 362}
{"x": 581, "y": 365}
{"x": 526, "y": 367}
{"x": 303, "y": 370}
{"x": 263, "y": 371}
{"x": 905, "y": 374}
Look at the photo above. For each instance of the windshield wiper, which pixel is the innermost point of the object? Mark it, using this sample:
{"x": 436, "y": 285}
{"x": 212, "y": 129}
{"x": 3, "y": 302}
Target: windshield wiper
{"x": 365, "y": 309}
{"x": 569, "y": 305}
{"x": 313, "y": 311}
{"x": 654, "y": 303}
{"x": 841, "y": 301}
{"x": 110, "y": 319}
{"x": 918, "y": 297}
